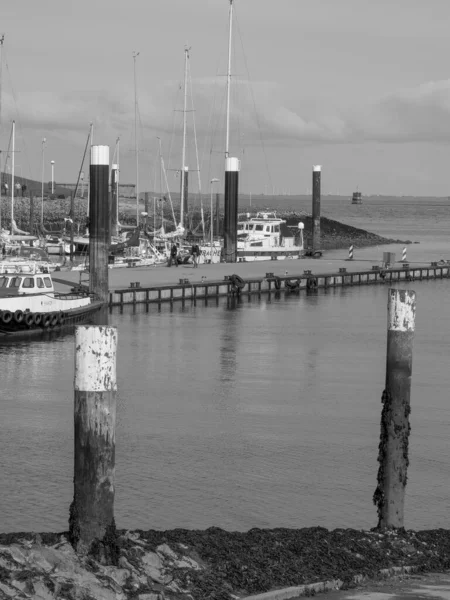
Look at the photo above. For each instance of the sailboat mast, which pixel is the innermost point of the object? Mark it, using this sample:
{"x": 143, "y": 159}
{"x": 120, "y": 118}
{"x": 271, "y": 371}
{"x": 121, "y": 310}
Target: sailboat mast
{"x": 12, "y": 172}
{"x": 2, "y": 39}
{"x": 117, "y": 180}
{"x": 136, "y": 145}
{"x": 183, "y": 157}
{"x": 230, "y": 31}
{"x": 91, "y": 143}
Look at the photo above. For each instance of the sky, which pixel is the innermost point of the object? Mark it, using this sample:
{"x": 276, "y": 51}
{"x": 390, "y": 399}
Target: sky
{"x": 357, "y": 86}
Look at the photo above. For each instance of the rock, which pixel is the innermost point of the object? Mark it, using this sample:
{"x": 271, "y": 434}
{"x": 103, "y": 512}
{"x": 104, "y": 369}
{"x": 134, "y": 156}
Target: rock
{"x": 166, "y": 551}
{"x": 187, "y": 563}
{"x": 134, "y": 537}
{"x": 8, "y": 591}
{"x": 149, "y": 596}
{"x": 124, "y": 564}
{"x": 153, "y": 566}
{"x": 22, "y": 585}
{"x": 134, "y": 582}
{"x": 41, "y": 591}
{"x": 118, "y": 575}
{"x": 14, "y": 552}
{"x": 152, "y": 559}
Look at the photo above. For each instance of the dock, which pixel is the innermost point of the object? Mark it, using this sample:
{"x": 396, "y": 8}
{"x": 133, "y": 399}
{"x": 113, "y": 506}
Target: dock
{"x": 160, "y": 284}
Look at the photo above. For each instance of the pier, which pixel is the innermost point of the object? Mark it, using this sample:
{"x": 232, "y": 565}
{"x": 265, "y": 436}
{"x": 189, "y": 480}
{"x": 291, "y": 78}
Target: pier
{"x": 150, "y": 285}
{"x": 307, "y": 281}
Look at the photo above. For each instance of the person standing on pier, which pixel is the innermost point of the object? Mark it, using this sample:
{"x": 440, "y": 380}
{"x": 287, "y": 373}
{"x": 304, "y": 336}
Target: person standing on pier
{"x": 195, "y": 251}
{"x": 173, "y": 255}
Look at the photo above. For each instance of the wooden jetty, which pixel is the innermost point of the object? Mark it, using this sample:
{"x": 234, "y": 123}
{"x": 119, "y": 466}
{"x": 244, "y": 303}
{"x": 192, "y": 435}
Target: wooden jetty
{"x": 147, "y": 286}
{"x": 308, "y": 281}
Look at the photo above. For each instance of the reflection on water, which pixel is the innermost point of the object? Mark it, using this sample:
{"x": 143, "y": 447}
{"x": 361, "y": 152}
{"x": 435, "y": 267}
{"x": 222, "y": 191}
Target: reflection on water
{"x": 255, "y": 413}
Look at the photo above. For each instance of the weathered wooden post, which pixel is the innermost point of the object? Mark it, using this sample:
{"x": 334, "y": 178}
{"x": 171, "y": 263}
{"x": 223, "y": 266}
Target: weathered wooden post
{"x": 99, "y": 222}
{"x": 91, "y": 522}
{"x": 316, "y": 207}
{"x": 389, "y": 496}
{"x": 231, "y": 209}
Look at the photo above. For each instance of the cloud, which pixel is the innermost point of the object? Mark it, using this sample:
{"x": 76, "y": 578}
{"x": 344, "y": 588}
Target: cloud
{"x": 415, "y": 114}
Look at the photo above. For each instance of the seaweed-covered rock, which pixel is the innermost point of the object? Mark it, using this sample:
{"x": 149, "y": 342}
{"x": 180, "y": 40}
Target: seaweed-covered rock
{"x": 213, "y": 564}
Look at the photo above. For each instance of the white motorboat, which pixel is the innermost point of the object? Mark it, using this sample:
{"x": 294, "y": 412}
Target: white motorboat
{"x": 29, "y": 304}
{"x": 267, "y": 237}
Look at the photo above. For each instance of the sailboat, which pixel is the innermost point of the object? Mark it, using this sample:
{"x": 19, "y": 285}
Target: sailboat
{"x": 265, "y": 236}
{"x": 15, "y": 235}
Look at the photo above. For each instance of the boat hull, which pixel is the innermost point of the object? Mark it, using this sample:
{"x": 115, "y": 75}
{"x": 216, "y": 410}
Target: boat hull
{"x": 48, "y": 323}
{"x": 269, "y": 254}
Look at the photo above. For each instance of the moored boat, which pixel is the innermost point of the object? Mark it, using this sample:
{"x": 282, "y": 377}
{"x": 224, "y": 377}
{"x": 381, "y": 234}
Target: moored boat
{"x": 267, "y": 237}
{"x": 29, "y": 304}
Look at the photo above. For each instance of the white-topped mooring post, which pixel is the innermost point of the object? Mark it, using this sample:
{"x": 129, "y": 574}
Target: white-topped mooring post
{"x": 114, "y": 200}
{"x": 389, "y": 496}
{"x": 316, "y": 207}
{"x": 232, "y": 168}
{"x": 99, "y": 222}
{"x": 91, "y": 520}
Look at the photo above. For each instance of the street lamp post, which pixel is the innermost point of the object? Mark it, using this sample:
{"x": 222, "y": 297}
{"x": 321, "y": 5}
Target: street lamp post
{"x": 53, "y": 176}
{"x": 42, "y": 182}
{"x": 213, "y": 181}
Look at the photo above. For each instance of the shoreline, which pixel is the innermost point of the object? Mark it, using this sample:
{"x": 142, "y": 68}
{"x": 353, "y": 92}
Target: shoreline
{"x": 215, "y": 564}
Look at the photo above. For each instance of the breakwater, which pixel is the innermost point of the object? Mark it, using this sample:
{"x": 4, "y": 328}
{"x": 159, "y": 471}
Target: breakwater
{"x": 232, "y": 285}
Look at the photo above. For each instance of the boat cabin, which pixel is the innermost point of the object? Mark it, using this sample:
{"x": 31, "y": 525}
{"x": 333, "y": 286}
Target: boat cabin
{"x": 265, "y": 224}
{"x": 18, "y": 279}
{"x": 266, "y": 230}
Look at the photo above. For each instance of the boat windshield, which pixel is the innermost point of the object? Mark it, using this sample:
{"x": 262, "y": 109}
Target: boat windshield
{"x": 3, "y": 282}
{"x": 15, "y": 282}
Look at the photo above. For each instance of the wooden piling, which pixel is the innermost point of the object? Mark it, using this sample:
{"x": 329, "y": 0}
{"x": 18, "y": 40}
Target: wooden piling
{"x": 389, "y": 496}
{"x": 91, "y": 522}
{"x": 99, "y": 222}
{"x": 114, "y": 200}
{"x": 316, "y": 207}
{"x": 231, "y": 209}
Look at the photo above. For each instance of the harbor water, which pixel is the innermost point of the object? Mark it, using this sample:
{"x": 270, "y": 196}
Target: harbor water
{"x": 261, "y": 412}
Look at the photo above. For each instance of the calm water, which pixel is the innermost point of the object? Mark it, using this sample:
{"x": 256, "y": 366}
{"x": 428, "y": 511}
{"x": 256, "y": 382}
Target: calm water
{"x": 258, "y": 414}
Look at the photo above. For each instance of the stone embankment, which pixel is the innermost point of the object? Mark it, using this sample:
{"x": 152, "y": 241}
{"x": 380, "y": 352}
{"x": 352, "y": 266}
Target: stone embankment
{"x": 215, "y": 564}
{"x": 334, "y": 234}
